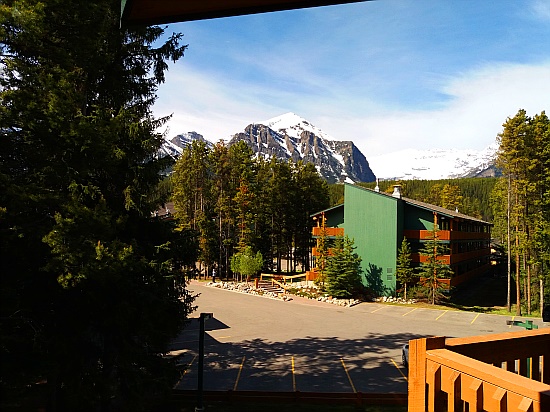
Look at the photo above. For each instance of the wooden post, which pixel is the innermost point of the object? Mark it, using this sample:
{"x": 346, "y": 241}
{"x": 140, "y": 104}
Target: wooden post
{"x": 417, "y": 371}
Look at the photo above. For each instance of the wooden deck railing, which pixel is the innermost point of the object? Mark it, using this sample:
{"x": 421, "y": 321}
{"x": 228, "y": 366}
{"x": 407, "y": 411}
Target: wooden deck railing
{"x": 329, "y": 231}
{"x": 493, "y": 373}
{"x": 446, "y": 235}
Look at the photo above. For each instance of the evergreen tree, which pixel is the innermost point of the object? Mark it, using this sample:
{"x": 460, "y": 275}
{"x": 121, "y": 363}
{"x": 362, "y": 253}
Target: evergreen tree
{"x": 523, "y": 157}
{"x": 405, "y": 272}
{"x": 343, "y": 269}
{"x": 92, "y": 291}
{"x": 451, "y": 198}
{"x": 311, "y": 195}
{"x": 433, "y": 268}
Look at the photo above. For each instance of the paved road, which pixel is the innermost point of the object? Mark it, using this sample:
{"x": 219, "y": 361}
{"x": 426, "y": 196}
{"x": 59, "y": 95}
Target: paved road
{"x": 257, "y": 343}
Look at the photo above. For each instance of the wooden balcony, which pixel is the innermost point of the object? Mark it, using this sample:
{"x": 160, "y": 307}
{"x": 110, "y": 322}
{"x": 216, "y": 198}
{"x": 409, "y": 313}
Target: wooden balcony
{"x": 329, "y": 231}
{"x": 446, "y": 235}
{"x": 315, "y": 251}
{"x": 417, "y": 257}
{"x": 493, "y": 373}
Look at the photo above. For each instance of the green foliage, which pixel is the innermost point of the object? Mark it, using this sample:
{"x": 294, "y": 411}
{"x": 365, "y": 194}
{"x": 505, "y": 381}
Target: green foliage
{"x": 91, "y": 286}
{"x": 343, "y": 269}
{"x": 469, "y": 195}
{"x": 404, "y": 271}
{"x": 433, "y": 269}
{"x": 521, "y": 202}
{"x": 336, "y": 193}
{"x": 247, "y": 263}
{"x": 322, "y": 256}
{"x": 247, "y": 201}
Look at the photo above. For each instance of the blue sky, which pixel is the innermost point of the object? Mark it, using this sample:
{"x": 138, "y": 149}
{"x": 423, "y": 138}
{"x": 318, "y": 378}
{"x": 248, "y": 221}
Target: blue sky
{"x": 386, "y": 74}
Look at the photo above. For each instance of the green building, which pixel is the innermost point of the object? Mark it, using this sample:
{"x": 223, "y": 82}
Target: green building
{"x": 378, "y": 222}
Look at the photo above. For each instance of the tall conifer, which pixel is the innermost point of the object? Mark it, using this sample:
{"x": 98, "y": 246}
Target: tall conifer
{"x": 91, "y": 288}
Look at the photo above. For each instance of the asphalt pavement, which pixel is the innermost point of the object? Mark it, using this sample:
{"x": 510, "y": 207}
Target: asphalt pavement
{"x": 255, "y": 343}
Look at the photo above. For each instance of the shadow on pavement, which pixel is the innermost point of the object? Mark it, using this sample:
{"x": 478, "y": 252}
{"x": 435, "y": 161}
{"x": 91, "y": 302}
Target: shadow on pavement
{"x": 312, "y": 364}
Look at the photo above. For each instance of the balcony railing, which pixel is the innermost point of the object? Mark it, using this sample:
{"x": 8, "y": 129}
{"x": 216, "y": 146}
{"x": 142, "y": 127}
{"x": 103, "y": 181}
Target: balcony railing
{"x": 316, "y": 252}
{"x": 417, "y": 257}
{"x": 493, "y": 373}
{"x": 446, "y": 235}
{"x": 329, "y": 231}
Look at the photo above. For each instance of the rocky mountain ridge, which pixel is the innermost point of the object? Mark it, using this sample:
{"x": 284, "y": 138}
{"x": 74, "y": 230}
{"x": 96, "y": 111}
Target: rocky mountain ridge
{"x": 291, "y": 137}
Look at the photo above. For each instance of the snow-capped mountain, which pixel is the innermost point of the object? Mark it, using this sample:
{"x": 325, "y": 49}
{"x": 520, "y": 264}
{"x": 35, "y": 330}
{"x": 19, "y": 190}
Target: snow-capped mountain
{"x": 172, "y": 147}
{"x": 433, "y": 164}
{"x": 291, "y": 137}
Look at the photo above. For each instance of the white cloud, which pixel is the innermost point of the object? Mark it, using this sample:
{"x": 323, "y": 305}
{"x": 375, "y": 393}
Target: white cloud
{"x": 541, "y": 9}
{"x": 478, "y": 102}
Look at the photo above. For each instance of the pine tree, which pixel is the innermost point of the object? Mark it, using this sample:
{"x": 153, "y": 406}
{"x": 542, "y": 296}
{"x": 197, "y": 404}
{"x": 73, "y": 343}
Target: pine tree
{"x": 433, "y": 268}
{"x": 92, "y": 291}
{"x": 405, "y": 272}
{"x": 343, "y": 269}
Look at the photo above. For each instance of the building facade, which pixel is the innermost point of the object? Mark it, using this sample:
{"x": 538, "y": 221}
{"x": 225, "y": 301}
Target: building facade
{"x": 378, "y": 222}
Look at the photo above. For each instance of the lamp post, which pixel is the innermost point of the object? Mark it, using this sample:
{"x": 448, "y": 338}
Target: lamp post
{"x": 203, "y": 317}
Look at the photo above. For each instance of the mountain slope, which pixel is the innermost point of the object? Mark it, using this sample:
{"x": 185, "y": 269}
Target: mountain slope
{"x": 433, "y": 164}
{"x": 292, "y": 137}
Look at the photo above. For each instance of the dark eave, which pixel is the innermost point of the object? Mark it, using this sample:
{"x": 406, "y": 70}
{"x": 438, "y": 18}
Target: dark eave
{"x": 149, "y": 12}
{"x": 330, "y": 209}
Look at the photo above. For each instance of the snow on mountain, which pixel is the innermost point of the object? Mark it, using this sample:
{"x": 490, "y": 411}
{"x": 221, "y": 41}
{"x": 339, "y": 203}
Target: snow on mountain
{"x": 173, "y": 146}
{"x": 291, "y": 137}
{"x": 293, "y": 125}
{"x": 432, "y": 164}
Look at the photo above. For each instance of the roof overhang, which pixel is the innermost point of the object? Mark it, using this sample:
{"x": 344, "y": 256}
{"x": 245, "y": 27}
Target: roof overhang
{"x": 149, "y": 12}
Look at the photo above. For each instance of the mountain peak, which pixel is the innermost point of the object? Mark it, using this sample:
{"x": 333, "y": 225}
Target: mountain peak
{"x": 292, "y": 125}
{"x": 284, "y": 121}
{"x": 290, "y": 136}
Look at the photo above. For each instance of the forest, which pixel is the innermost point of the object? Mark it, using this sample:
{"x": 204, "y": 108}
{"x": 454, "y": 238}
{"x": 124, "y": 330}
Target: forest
{"x": 471, "y": 196}
{"x": 232, "y": 200}
{"x": 521, "y": 207}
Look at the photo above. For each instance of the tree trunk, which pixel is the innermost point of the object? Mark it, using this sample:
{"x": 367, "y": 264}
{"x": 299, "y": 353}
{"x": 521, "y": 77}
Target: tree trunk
{"x": 518, "y": 285}
{"x": 509, "y": 258}
{"x": 528, "y": 289}
{"x": 541, "y": 294}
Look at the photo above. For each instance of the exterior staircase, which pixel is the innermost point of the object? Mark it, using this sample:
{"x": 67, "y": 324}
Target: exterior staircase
{"x": 266, "y": 286}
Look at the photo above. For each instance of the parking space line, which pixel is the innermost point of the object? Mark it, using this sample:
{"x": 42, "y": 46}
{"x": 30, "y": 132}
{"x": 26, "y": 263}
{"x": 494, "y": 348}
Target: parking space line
{"x": 441, "y": 315}
{"x": 347, "y": 373}
{"x": 405, "y": 314}
{"x": 477, "y": 316}
{"x": 186, "y": 369}
{"x": 239, "y": 374}
{"x": 399, "y": 369}
{"x": 380, "y": 308}
{"x": 293, "y": 376}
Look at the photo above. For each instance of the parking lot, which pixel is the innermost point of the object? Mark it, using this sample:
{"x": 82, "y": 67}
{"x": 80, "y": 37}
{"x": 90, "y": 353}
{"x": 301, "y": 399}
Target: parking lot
{"x": 260, "y": 344}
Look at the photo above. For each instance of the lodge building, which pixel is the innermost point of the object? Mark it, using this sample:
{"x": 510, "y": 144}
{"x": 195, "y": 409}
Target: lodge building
{"x": 378, "y": 222}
